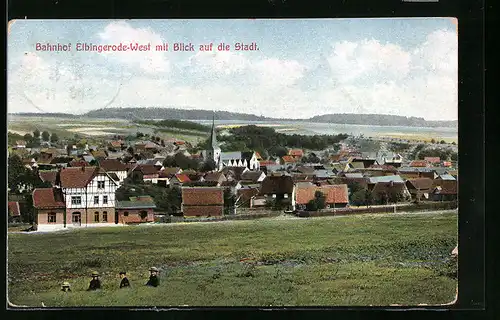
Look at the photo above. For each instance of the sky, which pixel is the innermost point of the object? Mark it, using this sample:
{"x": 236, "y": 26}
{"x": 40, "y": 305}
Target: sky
{"x": 303, "y": 68}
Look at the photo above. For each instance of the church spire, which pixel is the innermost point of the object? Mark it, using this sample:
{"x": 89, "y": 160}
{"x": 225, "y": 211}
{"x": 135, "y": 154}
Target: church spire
{"x": 213, "y": 136}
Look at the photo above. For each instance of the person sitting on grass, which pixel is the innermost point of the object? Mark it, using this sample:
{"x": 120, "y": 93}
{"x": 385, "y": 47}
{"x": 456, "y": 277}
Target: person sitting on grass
{"x": 95, "y": 283}
{"x": 153, "y": 278}
{"x": 124, "y": 283}
{"x": 65, "y": 287}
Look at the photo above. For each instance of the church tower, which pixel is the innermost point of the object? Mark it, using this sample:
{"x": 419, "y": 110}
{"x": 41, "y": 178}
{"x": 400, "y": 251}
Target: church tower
{"x": 213, "y": 151}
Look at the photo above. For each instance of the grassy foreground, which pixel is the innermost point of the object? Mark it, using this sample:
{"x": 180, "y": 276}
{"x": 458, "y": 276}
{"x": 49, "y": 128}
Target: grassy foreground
{"x": 332, "y": 261}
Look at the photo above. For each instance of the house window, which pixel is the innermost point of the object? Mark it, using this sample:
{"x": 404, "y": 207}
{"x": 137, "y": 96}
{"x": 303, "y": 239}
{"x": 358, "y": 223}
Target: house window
{"x": 286, "y": 195}
{"x": 96, "y": 216}
{"x": 100, "y": 184}
{"x": 76, "y": 200}
{"x": 125, "y": 214}
{"x": 51, "y": 217}
{"x": 104, "y": 216}
{"x": 96, "y": 200}
{"x": 105, "y": 199}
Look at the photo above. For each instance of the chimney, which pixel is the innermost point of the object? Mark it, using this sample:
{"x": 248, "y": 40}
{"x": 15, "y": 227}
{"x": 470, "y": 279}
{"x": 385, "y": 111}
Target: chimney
{"x": 83, "y": 168}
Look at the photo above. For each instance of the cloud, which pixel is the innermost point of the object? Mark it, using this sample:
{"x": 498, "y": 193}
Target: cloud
{"x": 220, "y": 62}
{"x": 368, "y": 58}
{"x": 364, "y": 76}
{"x": 121, "y": 32}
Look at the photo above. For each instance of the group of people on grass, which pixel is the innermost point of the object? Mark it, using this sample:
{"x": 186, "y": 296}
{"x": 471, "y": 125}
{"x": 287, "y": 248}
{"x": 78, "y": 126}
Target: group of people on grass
{"x": 95, "y": 283}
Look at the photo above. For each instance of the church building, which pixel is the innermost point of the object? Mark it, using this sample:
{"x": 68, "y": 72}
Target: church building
{"x": 228, "y": 159}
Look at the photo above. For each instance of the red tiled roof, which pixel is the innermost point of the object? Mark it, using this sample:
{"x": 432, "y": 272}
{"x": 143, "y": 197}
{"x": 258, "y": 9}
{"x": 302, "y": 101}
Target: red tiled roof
{"x": 257, "y": 155}
{"x": 116, "y": 143}
{"x": 203, "y": 211}
{"x": 447, "y": 163}
{"x": 289, "y": 159}
{"x": 48, "y": 198}
{"x": 77, "y": 177}
{"x": 112, "y": 165}
{"x": 296, "y": 152}
{"x": 182, "y": 178}
{"x": 333, "y": 193}
{"x": 202, "y": 196}
{"x": 48, "y": 176}
{"x": 418, "y": 163}
{"x": 14, "y": 209}
{"x": 432, "y": 159}
{"x": 267, "y": 163}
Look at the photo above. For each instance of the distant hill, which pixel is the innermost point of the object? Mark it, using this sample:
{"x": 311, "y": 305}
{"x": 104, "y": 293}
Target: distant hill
{"x": 198, "y": 114}
{"x": 167, "y": 113}
{"x": 381, "y": 120}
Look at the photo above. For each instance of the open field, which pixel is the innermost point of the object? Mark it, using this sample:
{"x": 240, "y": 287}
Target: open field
{"x": 418, "y": 137}
{"x": 67, "y": 128}
{"x": 354, "y": 260}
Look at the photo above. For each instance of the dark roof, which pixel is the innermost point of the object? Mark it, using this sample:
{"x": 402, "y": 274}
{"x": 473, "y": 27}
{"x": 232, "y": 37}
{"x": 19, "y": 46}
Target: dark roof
{"x": 171, "y": 170}
{"x": 78, "y": 163}
{"x": 277, "y": 185}
{"x": 420, "y": 183}
{"x": 14, "y": 209}
{"x": 113, "y": 176}
{"x": 141, "y": 202}
{"x": 112, "y": 165}
{"x": 48, "y": 176}
{"x": 147, "y": 169}
{"x": 446, "y": 187}
{"x": 388, "y": 187}
{"x": 201, "y": 196}
{"x": 48, "y": 198}
{"x": 61, "y": 160}
{"x": 251, "y": 175}
{"x": 304, "y": 169}
{"x": 236, "y": 172}
{"x": 215, "y": 176}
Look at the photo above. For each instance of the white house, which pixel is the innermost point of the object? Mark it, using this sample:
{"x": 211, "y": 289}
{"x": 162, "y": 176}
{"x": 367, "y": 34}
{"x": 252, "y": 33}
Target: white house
{"x": 89, "y": 196}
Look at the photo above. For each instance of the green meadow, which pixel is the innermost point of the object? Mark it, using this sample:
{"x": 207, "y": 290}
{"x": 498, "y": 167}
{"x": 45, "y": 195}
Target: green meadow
{"x": 329, "y": 261}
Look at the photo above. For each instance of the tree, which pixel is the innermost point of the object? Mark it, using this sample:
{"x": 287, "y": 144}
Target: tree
{"x": 209, "y": 165}
{"x": 318, "y": 203}
{"x": 54, "y": 138}
{"x": 36, "y": 134}
{"x": 433, "y": 141}
{"x": 442, "y": 142}
{"x": 16, "y": 171}
{"x": 358, "y": 198}
{"x": 229, "y": 201}
{"x": 130, "y": 150}
{"x": 45, "y": 136}
{"x": 28, "y": 137}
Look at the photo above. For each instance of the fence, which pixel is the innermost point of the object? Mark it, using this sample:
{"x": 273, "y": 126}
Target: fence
{"x": 423, "y": 206}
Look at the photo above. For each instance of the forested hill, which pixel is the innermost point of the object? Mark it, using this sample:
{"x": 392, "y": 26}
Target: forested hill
{"x": 168, "y": 113}
{"x": 381, "y": 120}
{"x": 197, "y": 114}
